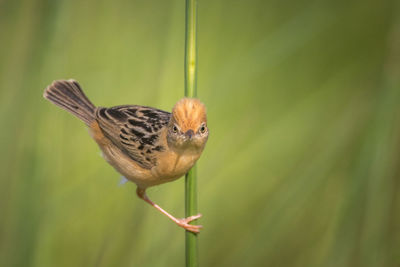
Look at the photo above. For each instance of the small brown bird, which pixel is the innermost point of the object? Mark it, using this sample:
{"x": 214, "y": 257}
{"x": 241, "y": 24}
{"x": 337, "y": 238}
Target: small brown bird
{"x": 148, "y": 146}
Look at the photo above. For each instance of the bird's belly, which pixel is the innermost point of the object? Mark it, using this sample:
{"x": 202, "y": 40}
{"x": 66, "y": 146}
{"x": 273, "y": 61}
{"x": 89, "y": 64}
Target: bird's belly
{"x": 126, "y": 166}
{"x": 171, "y": 166}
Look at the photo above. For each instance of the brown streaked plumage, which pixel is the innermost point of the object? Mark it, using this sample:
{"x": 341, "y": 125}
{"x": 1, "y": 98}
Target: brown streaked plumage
{"x": 146, "y": 145}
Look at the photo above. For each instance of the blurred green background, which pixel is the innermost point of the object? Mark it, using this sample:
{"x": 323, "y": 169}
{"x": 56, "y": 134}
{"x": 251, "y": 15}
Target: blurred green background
{"x": 303, "y": 161}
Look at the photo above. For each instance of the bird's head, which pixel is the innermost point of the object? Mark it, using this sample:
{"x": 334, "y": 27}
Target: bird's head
{"x": 187, "y": 128}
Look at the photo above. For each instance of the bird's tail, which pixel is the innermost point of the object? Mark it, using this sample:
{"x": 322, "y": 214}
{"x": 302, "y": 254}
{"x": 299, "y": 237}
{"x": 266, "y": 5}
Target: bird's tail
{"x": 69, "y": 96}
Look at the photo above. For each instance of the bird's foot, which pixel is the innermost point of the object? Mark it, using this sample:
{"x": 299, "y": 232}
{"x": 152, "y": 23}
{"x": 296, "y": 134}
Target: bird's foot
{"x": 184, "y": 223}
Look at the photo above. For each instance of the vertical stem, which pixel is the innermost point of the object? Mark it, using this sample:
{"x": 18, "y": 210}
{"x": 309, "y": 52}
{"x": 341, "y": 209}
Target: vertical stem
{"x": 190, "y": 91}
{"x": 191, "y": 48}
{"x": 191, "y": 209}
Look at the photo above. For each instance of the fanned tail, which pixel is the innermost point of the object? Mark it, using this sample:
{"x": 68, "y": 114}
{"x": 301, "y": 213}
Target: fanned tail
{"x": 68, "y": 95}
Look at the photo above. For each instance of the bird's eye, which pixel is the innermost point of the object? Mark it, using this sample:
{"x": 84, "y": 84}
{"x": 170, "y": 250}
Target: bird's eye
{"x": 202, "y": 129}
{"x": 174, "y": 129}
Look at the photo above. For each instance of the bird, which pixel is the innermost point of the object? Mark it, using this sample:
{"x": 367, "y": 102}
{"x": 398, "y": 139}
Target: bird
{"x": 148, "y": 146}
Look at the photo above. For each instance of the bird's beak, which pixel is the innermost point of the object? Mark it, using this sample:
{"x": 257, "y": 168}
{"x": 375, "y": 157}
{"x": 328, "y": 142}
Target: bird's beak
{"x": 189, "y": 133}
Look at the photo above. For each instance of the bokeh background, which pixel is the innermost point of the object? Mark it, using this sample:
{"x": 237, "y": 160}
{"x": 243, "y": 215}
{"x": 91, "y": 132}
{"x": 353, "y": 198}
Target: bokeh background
{"x": 302, "y": 165}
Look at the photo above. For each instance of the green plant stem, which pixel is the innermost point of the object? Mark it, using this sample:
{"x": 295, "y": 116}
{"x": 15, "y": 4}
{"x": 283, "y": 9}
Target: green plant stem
{"x": 191, "y": 209}
{"x": 190, "y": 91}
{"x": 191, "y": 49}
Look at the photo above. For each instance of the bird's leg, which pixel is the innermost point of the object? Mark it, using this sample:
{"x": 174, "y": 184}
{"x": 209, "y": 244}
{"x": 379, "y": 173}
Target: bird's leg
{"x": 184, "y": 223}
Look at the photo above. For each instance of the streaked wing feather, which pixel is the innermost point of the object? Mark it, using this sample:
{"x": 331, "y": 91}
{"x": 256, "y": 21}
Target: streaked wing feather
{"x": 135, "y": 130}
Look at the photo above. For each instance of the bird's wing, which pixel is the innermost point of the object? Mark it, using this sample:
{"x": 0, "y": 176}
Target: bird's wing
{"x": 135, "y": 130}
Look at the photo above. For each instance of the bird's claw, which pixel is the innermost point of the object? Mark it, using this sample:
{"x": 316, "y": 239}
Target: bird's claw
{"x": 184, "y": 223}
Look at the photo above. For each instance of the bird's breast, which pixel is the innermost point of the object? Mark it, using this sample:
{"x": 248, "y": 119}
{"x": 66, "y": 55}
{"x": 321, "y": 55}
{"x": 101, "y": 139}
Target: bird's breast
{"x": 172, "y": 165}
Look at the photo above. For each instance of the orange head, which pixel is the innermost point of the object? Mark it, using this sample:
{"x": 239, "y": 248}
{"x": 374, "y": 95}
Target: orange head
{"x": 188, "y": 124}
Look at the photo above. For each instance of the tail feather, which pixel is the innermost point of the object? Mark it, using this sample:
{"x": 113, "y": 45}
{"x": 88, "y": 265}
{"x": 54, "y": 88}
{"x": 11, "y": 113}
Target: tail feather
{"x": 69, "y": 96}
